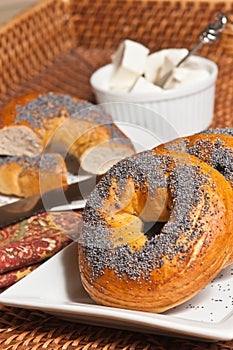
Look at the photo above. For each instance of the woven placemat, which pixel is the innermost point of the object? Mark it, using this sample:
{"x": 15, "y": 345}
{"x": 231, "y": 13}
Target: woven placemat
{"x": 23, "y": 329}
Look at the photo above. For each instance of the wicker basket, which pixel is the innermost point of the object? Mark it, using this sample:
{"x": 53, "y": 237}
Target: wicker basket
{"x": 56, "y": 45}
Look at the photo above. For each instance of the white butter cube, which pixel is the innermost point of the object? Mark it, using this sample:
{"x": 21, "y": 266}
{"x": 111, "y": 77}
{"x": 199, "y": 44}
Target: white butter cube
{"x": 123, "y": 79}
{"x": 184, "y": 77}
{"x": 128, "y": 64}
{"x": 154, "y": 64}
{"x": 142, "y": 85}
{"x": 176, "y": 55}
{"x": 160, "y": 63}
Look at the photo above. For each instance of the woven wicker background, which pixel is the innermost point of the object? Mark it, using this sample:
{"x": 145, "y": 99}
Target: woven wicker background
{"x": 57, "y": 45}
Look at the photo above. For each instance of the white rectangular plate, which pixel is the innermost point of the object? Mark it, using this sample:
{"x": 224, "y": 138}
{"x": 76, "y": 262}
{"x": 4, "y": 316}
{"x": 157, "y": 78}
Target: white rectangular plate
{"x": 55, "y": 287}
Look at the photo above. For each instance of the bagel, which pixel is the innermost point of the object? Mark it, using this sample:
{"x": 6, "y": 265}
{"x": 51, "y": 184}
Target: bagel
{"x": 34, "y": 116}
{"x": 56, "y": 122}
{"x": 156, "y": 229}
{"x": 214, "y": 148}
{"x": 223, "y": 131}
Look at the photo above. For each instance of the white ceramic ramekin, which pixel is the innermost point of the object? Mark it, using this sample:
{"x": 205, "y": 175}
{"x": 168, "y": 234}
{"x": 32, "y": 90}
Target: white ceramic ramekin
{"x": 176, "y": 112}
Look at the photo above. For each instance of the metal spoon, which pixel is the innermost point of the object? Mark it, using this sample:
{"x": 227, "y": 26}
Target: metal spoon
{"x": 208, "y": 36}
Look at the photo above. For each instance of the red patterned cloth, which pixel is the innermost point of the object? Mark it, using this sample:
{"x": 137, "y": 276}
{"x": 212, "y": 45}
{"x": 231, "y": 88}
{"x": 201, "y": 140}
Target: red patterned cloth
{"x": 23, "y": 246}
{"x": 9, "y": 278}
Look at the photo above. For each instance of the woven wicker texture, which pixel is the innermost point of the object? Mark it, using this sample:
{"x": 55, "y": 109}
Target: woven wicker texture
{"x": 57, "y": 45}
{"x": 41, "y": 331}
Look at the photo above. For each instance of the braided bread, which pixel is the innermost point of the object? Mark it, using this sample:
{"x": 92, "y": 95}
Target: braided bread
{"x": 156, "y": 229}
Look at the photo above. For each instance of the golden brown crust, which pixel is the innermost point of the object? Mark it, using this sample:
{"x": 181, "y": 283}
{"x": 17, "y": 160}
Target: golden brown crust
{"x": 8, "y": 115}
{"x": 25, "y": 176}
{"x": 40, "y": 112}
{"x": 215, "y": 149}
{"x": 121, "y": 265}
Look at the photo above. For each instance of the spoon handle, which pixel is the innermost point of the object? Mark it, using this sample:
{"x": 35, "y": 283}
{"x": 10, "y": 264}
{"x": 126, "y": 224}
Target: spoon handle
{"x": 190, "y": 53}
{"x": 208, "y": 36}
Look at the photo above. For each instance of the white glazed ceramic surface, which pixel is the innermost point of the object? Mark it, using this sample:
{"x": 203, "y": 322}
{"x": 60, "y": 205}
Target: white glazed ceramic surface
{"x": 55, "y": 287}
{"x": 186, "y": 109}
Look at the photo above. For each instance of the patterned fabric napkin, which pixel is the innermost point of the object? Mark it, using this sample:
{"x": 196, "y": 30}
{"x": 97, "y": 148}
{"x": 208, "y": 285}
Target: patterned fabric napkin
{"x": 25, "y": 245}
